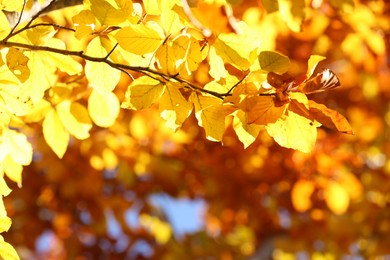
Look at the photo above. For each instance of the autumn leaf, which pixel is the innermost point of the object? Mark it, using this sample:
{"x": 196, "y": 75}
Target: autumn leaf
{"x": 103, "y": 109}
{"x": 7, "y": 251}
{"x": 108, "y": 14}
{"x": 329, "y": 118}
{"x": 263, "y": 111}
{"x": 292, "y": 12}
{"x": 17, "y": 64}
{"x": 271, "y": 61}
{"x": 294, "y": 131}
{"x": 143, "y": 92}
{"x": 174, "y": 108}
{"x": 17, "y": 146}
{"x": 140, "y": 38}
{"x": 312, "y": 64}
{"x": 246, "y": 133}
{"x": 55, "y": 133}
{"x": 210, "y": 115}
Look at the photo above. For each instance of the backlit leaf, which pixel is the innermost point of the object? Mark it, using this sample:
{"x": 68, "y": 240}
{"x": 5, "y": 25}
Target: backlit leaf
{"x": 7, "y": 251}
{"x": 294, "y": 131}
{"x": 103, "y": 109}
{"x": 101, "y": 76}
{"x": 4, "y": 26}
{"x": 11, "y": 5}
{"x": 55, "y": 133}
{"x": 210, "y": 115}
{"x": 174, "y": 108}
{"x": 263, "y": 111}
{"x": 271, "y": 61}
{"x": 111, "y": 15}
{"x": 17, "y": 63}
{"x": 5, "y": 224}
{"x": 140, "y": 38}
{"x": 142, "y": 92}
{"x": 38, "y": 112}
{"x": 13, "y": 170}
{"x": 18, "y": 147}
{"x": 217, "y": 67}
{"x": 75, "y": 118}
{"x": 336, "y": 197}
{"x": 246, "y": 133}
{"x": 4, "y": 189}
{"x": 312, "y": 64}
{"x": 329, "y": 118}
{"x": 301, "y": 193}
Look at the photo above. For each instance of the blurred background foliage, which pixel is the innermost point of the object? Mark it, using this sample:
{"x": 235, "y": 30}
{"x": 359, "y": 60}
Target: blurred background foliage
{"x": 109, "y": 197}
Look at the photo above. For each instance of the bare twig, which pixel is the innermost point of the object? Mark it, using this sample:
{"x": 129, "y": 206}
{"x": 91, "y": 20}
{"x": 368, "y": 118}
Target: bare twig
{"x": 18, "y": 21}
{"x": 238, "y": 83}
{"x": 111, "y": 51}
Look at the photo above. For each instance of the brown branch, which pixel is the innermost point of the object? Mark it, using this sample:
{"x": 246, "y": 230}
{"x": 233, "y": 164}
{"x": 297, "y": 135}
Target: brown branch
{"x": 144, "y": 70}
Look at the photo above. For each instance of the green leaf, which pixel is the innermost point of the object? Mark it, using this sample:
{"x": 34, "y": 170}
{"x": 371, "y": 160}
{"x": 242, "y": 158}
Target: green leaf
{"x": 271, "y": 61}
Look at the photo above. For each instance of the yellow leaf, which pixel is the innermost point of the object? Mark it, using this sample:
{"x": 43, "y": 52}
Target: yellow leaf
{"x": 239, "y": 50}
{"x": 84, "y": 23}
{"x": 174, "y": 108}
{"x": 210, "y": 115}
{"x": 101, "y": 76}
{"x": 5, "y": 28}
{"x": 292, "y": 12}
{"x": 41, "y": 78}
{"x": 18, "y": 147}
{"x": 5, "y": 223}
{"x": 103, "y": 109}
{"x": 170, "y": 21}
{"x": 336, "y": 197}
{"x": 294, "y": 131}
{"x": 152, "y": 7}
{"x": 142, "y": 93}
{"x": 246, "y": 133}
{"x": 16, "y": 99}
{"x": 312, "y": 64}
{"x": 55, "y": 134}
{"x": 75, "y": 119}
{"x": 271, "y": 61}
{"x": 301, "y": 193}
{"x": 64, "y": 63}
{"x": 17, "y": 64}
{"x": 7, "y": 251}
{"x": 38, "y": 112}
{"x": 111, "y": 15}
{"x": 13, "y": 170}
{"x": 217, "y": 67}
{"x": 4, "y": 189}
{"x": 11, "y": 5}
{"x": 262, "y": 109}
{"x": 140, "y": 38}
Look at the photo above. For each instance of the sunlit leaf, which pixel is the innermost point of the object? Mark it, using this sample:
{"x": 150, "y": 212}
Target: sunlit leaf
{"x": 262, "y": 110}
{"x": 5, "y": 224}
{"x": 11, "y": 5}
{"x": 13, "y": 170}
{"x": 38, "y": 112}
{"x": 301, "y": 193}
{"x": 312, "y": 64}
{"x": 271, "y": 61}
{"x": 142, "y": 92}
{"x": 18, "y": 147}
{"x": 210, "y": 115}
{"x": 329, "y": 118}
{"x": 336, "y": 197}
{"x": 246, "y": 133}
{"x": 4, "y": 189}
{"x": 217, "y": 67}
{"x": 294, "y": 131}
{"x": 4, "y": 26}
{"x": 101, "y": 76}
{"x": 75, "y": 119}
{"x": 140, "y": 38}
{"x": 111, "y": 15}
{"x": 55, "y": 133}
{"x": 7, "y": 251}
{"x": 174, "y": 108}
{"x": 17, "y": 63}
{"x": 103, "y": 109}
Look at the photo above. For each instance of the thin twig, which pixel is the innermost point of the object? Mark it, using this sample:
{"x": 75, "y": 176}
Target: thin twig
{"x": 18, "y": 22}
{"x": 42, "y": 11}
{"x": 111, "y": 51}
{"x": 50, "y": 24}
{"x": 238, "y": 83}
